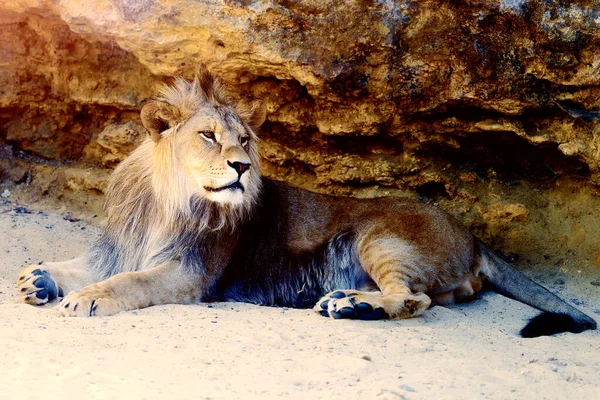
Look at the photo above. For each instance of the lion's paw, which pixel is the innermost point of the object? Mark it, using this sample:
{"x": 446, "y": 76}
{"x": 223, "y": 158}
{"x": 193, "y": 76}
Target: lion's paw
{"x": 415, "y": 305}
{"x": 36, "y": 286}
{"x": 350, "y": 304}
{"x": 90, "y": 301}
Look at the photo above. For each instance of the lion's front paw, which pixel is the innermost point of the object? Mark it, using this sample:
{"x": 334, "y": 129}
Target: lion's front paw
{"x": 90, "y": 301}
{"x": 36, "y": 286}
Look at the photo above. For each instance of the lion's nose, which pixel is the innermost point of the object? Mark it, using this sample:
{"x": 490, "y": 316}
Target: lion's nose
{"x": 239, "y": 167}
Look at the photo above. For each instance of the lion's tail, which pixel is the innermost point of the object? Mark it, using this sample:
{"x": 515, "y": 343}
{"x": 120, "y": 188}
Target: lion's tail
{"x": 557, "y": 316}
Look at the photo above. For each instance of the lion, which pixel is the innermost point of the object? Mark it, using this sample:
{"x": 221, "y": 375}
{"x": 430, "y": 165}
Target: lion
{"x": 190, "y": 218}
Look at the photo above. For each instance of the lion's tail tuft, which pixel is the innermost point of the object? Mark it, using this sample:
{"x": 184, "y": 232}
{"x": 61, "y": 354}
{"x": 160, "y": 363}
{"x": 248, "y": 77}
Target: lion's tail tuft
{"x": 557, "y": 316}
{"x": 549, "y": 323}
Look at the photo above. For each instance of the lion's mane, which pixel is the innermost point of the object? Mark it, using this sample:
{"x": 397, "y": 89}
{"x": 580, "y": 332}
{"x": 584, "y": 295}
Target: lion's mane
{"x": 154, "y": 212}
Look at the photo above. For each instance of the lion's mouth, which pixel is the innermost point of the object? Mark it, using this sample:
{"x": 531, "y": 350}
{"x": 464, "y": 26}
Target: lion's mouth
{"x": 234, "y": 186}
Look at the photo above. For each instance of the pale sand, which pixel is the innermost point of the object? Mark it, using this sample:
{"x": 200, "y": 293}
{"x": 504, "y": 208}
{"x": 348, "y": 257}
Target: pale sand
{"x": 229, "y": 350}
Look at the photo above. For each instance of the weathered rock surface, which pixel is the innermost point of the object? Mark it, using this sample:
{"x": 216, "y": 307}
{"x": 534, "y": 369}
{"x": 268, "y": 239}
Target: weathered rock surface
{"x": 452, "y": 100}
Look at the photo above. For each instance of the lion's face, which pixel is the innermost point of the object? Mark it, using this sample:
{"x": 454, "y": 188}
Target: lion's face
{"x": 209, "y": 142}
{"x": 218, "y": 153}
{"x": 205, "y": 145}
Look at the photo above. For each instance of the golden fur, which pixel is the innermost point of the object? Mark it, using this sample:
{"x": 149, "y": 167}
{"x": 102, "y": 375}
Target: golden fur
{"x": 158, "y": 193}
{"x": 190, "y": 217}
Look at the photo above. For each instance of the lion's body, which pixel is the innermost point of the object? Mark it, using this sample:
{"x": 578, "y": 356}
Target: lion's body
{"x": 299, "y": 246}
{"x": 190, "y": 219}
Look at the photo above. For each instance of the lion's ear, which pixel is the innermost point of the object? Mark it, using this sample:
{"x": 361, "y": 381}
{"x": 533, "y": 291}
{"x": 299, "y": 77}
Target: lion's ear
{"x": 157, "y": 117}
{"x": 253, "y": 113}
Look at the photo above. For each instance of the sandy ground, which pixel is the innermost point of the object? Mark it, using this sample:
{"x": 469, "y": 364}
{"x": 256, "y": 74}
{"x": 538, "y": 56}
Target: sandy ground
{"x": 230, "y": 350}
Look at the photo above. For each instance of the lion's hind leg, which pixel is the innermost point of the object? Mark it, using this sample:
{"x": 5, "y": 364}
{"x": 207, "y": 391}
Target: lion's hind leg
{"x": 42, "y": 283}
{"x": 392, "y": 265}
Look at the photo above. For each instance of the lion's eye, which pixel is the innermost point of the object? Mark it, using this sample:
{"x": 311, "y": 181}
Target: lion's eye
{"x": 208, "y": 135}
{"x": 244, "y": 140}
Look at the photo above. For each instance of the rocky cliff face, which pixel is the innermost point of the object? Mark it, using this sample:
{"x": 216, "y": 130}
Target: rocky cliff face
{"x": 485, "y": 107}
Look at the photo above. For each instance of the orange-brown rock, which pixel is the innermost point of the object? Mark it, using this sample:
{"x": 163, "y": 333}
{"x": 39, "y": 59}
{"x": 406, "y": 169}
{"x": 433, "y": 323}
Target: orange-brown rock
{"x": 114, "y": 143}
{"x": 506, "y": 213}
{"x": 452, "y": 100}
